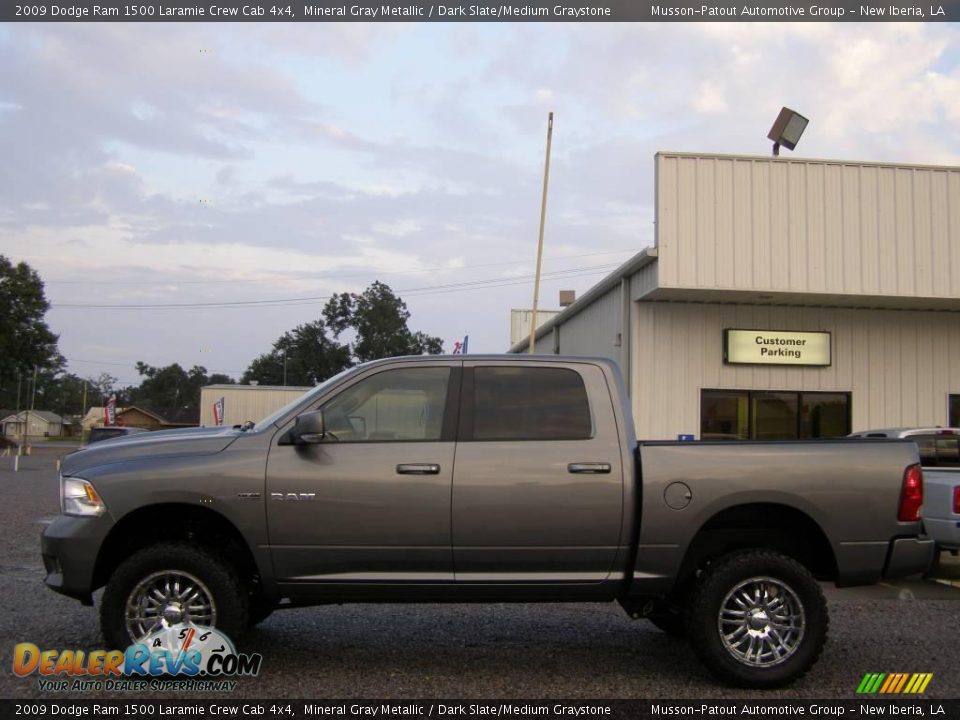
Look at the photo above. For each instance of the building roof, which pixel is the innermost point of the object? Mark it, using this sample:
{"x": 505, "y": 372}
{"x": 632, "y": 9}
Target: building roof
{"x": 49, "y": 417}
{"x": 801, "y": 232}
{"x": 631, "y": 266}
{"x": 137, "y": 408}
{"x": 181, "y": 416}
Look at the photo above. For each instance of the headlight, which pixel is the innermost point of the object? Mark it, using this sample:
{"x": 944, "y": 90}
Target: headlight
{"x": 77, "y": 497}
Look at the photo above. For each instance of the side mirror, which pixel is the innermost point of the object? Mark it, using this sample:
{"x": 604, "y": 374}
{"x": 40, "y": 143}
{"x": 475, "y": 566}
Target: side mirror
{"x": 308, "y": 429}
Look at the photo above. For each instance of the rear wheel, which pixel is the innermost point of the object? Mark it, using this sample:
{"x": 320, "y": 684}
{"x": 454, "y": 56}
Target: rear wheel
{"x": 757, "y": 619}
{"x": 170, "y": 583}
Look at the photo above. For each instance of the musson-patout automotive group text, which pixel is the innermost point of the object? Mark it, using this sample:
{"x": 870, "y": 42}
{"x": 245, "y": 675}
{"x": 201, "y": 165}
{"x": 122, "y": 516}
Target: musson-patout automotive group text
{"x": 798, "y": 11}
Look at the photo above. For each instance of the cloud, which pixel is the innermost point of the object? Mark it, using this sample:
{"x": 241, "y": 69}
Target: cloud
{"x": 209, "y": 161}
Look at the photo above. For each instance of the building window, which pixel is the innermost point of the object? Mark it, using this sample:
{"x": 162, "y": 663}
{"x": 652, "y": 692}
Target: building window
{"x": 954, "y": 411}
{"x": 724, "y": 415}
{"x": 764, "y": 415}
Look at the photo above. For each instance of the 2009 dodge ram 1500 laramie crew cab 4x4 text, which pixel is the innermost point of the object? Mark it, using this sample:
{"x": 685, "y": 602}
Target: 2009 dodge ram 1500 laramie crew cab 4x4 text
{"x": 486, "y": 478}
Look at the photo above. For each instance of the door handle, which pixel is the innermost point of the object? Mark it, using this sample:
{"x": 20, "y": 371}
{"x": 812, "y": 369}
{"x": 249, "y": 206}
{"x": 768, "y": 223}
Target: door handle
{"x": 589, "y": 468}
{"x": 418, "y": 469}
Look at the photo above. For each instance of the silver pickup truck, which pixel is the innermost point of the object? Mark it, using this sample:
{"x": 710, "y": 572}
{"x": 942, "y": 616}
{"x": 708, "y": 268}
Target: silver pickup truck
{"x": 939, "y": 449}
{"x": 486, "y": 478}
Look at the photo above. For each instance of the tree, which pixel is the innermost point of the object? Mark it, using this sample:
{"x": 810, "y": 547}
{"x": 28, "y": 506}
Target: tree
{"x": 302, "y": 356}
{"x": 171, "y": 391}
{"x": 25, "y": 340}
{"x": 379, "y": 320}
{"x": 376, "y": 320}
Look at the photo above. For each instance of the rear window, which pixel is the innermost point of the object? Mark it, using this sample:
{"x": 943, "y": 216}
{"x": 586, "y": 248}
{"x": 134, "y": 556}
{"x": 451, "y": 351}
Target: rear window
{"x": 104, "y": 433}
{"x": 938, "y": 450}
{"x": 98, "y": 434}
{"x": 523, "y": 403}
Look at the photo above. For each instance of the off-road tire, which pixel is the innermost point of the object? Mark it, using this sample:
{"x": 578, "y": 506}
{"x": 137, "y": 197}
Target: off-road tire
{"x": 719, "y": 580}
{"x": 230, "y": 597}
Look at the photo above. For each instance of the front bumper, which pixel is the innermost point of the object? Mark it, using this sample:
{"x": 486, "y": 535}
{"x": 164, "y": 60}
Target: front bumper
{"x": 909, "y": 556}
{"x": 70, "y": 546}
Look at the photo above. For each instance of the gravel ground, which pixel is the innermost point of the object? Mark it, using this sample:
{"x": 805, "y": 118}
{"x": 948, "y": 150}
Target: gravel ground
{"x": 478, "y": 651}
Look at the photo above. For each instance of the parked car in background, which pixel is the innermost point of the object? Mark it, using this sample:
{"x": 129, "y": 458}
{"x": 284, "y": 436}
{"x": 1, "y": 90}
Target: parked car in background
{"x": 108, "y": 433}
{"x": 940, "y": 456}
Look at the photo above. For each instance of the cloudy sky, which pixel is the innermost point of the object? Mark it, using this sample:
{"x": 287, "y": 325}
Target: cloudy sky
{"x": 172, "y": 167}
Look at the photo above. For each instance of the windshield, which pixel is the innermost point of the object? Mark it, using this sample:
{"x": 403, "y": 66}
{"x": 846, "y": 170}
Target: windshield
{"x": 318, "y": 390}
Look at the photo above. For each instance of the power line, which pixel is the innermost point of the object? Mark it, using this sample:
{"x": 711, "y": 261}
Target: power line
{"x": 426, "y": 290}
{"x": 331, "y": 276}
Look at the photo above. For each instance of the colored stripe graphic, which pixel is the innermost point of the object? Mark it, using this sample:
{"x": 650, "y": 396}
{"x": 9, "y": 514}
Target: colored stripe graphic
{"x": 903, "y": 681}
{"x": 870, "y": 683}
{"x": 894, "y": 683}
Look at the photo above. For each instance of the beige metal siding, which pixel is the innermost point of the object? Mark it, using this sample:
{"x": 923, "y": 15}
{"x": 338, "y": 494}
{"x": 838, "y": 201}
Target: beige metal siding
{"x": 593, "y": 331}
{"x": 643, "y": 281}
{"x": 779, "y": 225}
{"x": 900, "y": 366}
{"x": 520, "y": 321}
{"x": 245, "y": 402}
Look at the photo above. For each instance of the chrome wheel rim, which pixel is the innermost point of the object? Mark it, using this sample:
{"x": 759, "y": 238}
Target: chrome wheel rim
{"x": 167, "y": 598}
{"x": 761, "y": 622}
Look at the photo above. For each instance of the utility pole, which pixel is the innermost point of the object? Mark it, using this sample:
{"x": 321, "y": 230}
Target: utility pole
{"x": 33, "y": 401}
{"x": 543, "y": 217}
{"x": 19, "y": 380}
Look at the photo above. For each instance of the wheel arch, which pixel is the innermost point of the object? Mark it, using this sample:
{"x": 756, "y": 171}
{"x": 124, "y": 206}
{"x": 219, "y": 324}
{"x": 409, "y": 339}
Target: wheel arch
{"x": 767, "y": 525}
{"x": 165, "y": 522}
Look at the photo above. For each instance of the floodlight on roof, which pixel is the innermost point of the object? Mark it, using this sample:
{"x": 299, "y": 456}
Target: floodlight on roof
{"x": 787, "y": 129}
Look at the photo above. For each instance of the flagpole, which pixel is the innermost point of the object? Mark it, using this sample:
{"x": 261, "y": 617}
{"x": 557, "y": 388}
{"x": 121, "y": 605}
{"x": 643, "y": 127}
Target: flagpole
{"x": 543, "y": 217}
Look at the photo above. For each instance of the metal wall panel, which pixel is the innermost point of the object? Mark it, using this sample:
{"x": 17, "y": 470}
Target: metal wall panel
{"x": 245, "y": 402}
{"x": 900, "y": 366}
{"x": 644, "y": 281}
{"x": 594, "y": 330}
{"x": 783, "y": 225}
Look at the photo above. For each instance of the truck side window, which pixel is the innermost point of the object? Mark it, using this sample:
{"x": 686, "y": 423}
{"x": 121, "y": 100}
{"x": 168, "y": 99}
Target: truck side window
{"x": 394, "y": 405}
{"x": 530, "y": 403}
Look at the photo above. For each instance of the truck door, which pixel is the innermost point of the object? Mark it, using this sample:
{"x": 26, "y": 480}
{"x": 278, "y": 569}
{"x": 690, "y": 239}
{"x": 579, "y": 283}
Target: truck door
{"x": 372, "y": 500}
{"x": 538, "y": 481}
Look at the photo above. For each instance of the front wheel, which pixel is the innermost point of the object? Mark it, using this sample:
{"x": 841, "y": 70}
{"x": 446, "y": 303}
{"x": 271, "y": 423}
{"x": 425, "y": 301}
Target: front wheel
{"x": 170, "y": 583}
{"x": 757, "y": 619}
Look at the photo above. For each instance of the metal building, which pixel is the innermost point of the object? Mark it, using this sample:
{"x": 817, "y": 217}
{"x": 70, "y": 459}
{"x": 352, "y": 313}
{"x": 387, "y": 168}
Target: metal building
{"x": 844, "y": 277}
{"x": 245, "y": 402}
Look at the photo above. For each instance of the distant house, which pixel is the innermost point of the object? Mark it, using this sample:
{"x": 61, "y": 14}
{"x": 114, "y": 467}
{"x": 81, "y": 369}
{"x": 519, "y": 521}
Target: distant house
{"x": 30, "y": 425}
{"x": 94, "y": 418}
{"x": 141, "y": 417}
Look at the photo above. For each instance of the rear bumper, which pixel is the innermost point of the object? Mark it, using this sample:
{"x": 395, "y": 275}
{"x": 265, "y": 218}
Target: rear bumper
{"x": 909, "y": 556}
{"x": 945, "y": 533}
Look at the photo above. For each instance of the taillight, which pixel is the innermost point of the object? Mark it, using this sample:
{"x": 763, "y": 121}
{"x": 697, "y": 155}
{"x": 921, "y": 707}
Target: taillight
{"x": 911, "y": 496}
{"x": 956, "y": 499}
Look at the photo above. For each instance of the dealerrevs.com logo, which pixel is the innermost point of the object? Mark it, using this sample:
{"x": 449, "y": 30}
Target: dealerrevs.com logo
{"x": 181, "y": 657}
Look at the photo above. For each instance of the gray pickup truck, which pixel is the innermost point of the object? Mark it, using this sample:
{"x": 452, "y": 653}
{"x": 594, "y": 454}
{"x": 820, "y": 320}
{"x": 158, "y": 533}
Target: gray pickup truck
{"x": 486, "y": 478}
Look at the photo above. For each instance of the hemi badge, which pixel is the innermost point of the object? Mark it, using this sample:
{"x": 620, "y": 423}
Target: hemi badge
{"x": 249, "y": 496}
